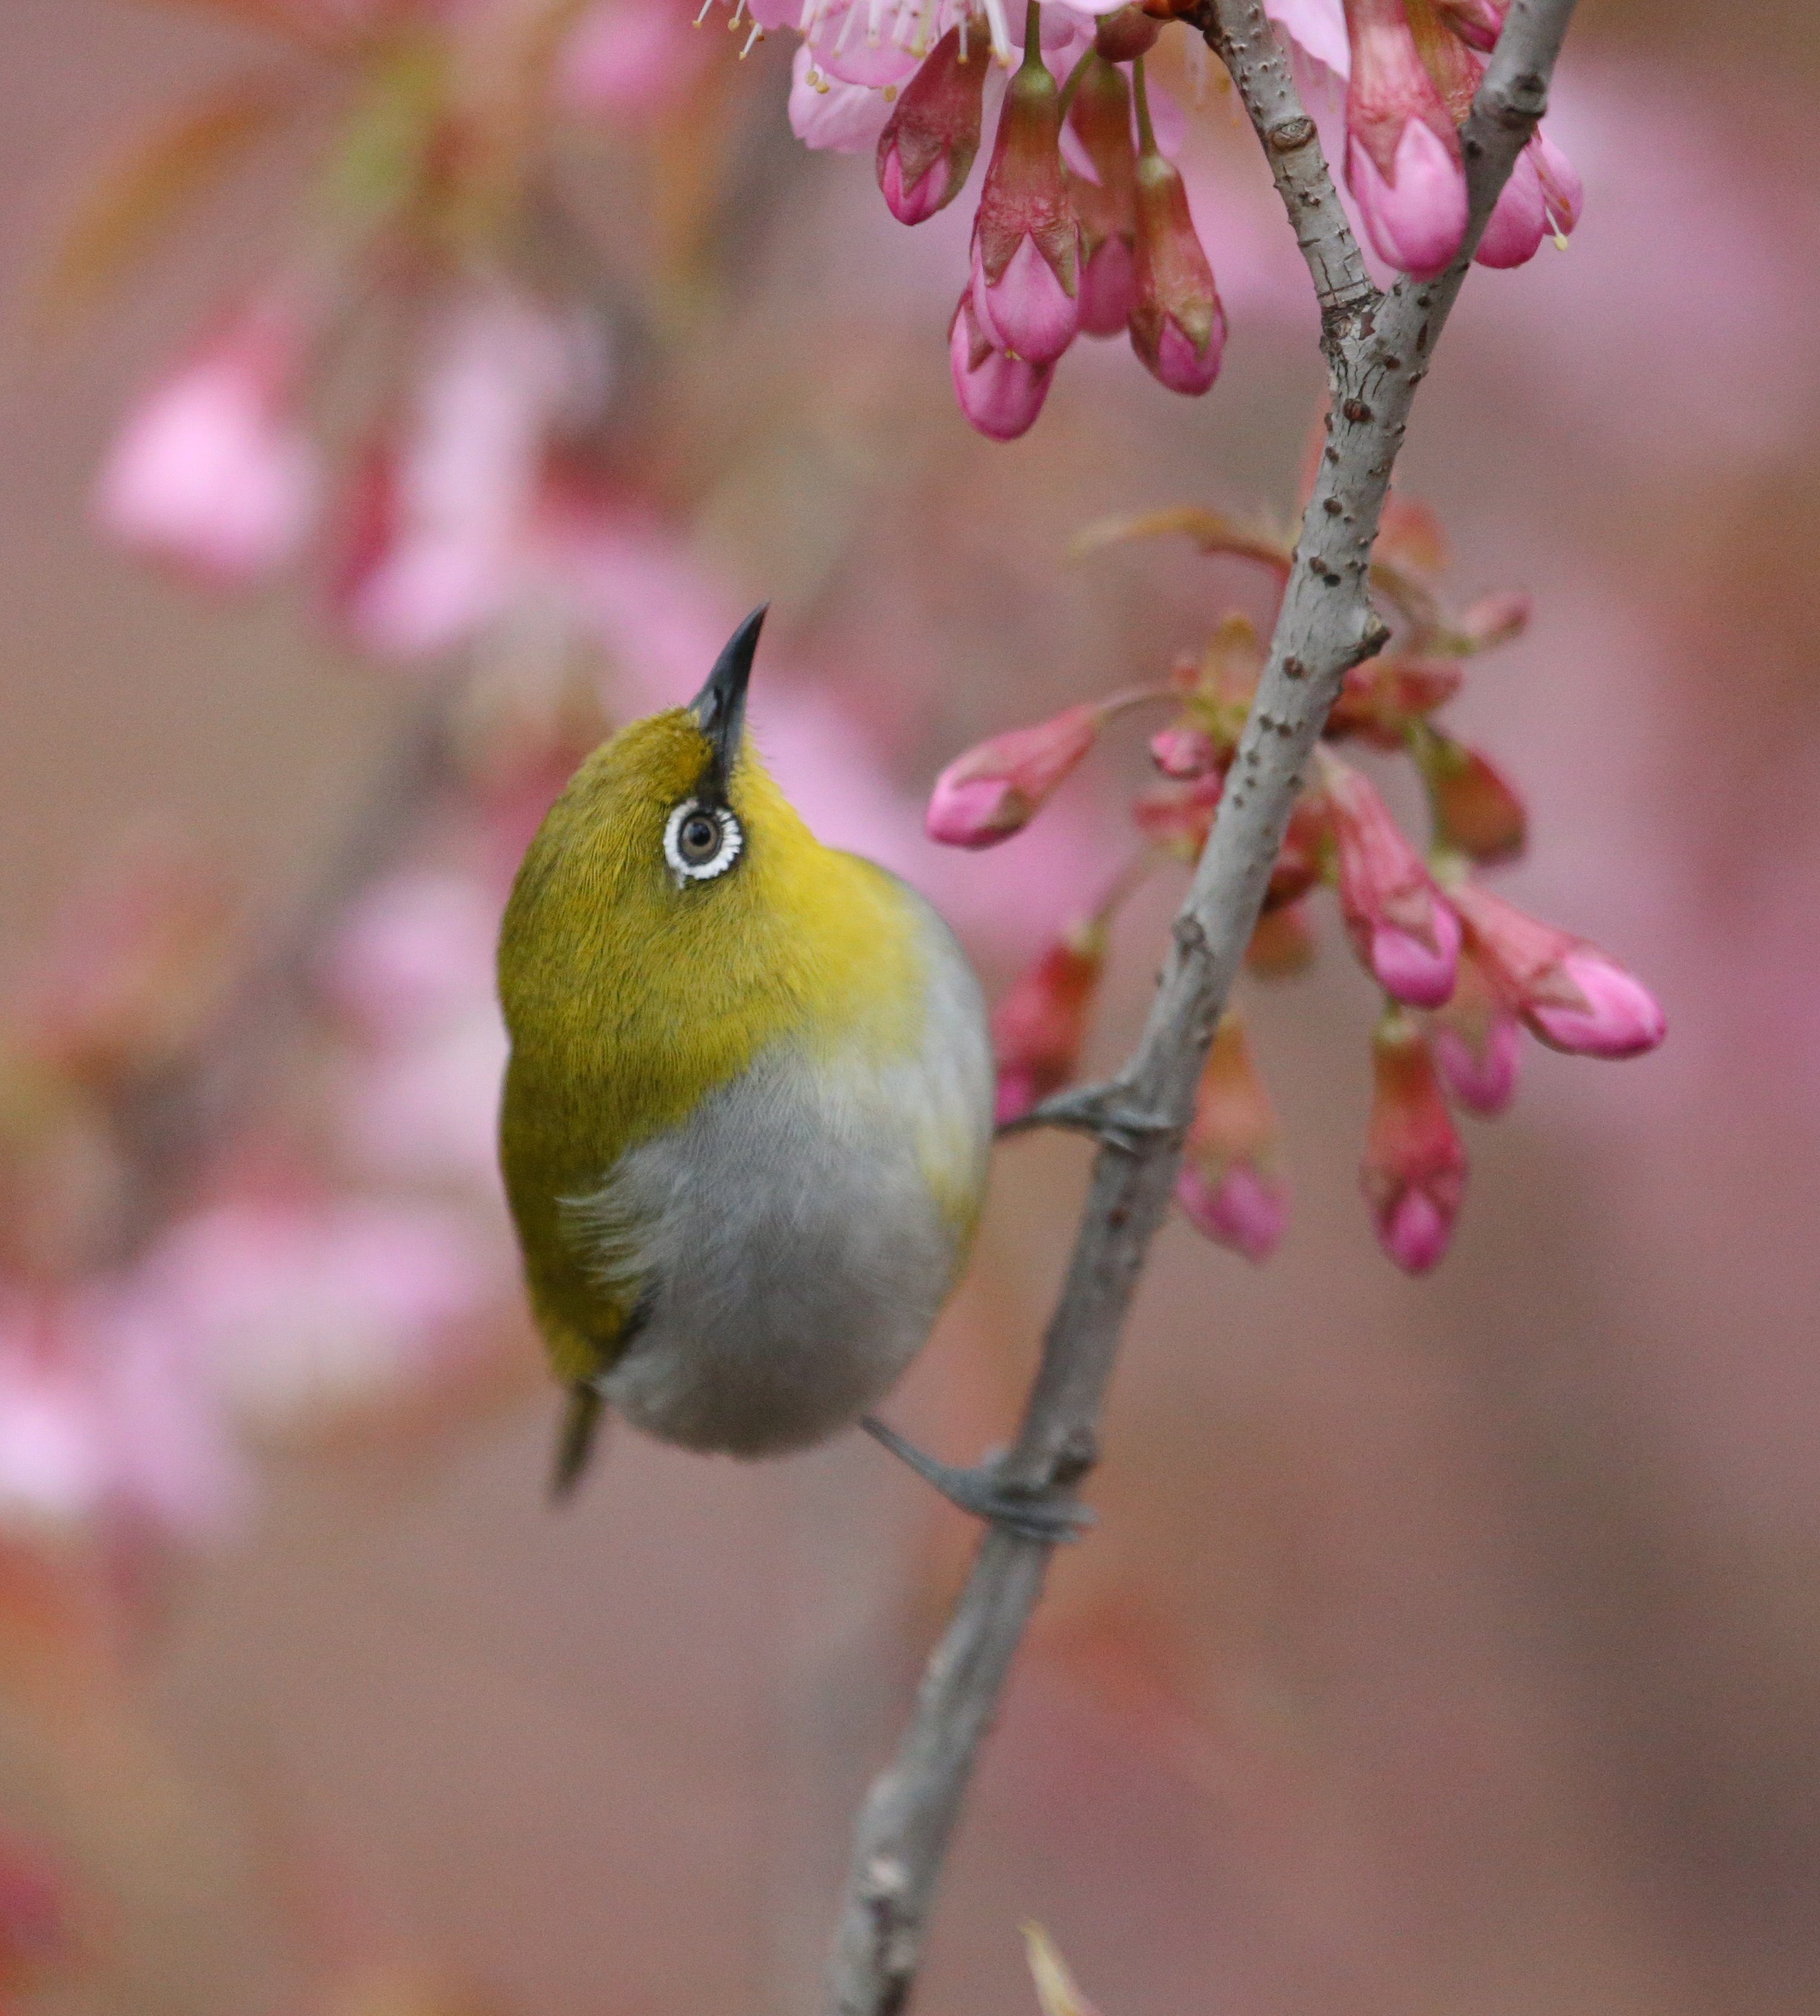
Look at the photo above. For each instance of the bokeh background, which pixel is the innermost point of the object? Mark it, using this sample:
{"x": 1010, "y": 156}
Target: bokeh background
{"x": 1445, "y": 1645}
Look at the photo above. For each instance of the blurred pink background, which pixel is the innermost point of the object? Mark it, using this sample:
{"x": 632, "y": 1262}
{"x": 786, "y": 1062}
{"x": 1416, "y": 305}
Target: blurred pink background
{"x": 1445, "y": 1645}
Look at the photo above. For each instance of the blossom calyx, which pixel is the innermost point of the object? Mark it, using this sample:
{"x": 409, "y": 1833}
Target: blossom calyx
{"x": 1025, "y": 255}
{"x": 930, "y": 140}
{"x": 1400, "y": 926}
{"x": 1570, "y": 995}
{"x": 1038, "y": 1029}
{"x": 1227, "y": 1185}
{"x": 997, "y": 787}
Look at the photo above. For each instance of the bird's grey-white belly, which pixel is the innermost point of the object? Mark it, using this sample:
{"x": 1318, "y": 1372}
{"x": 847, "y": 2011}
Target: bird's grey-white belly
{"x": 787, "y": 1250}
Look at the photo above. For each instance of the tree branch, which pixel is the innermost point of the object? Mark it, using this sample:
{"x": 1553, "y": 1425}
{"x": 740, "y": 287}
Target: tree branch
{"x": 1378, "y": 348}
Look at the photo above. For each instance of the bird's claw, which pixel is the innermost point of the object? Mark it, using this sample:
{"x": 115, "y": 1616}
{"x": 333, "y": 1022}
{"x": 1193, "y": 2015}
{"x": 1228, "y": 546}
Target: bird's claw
{"x": 1043, "y": 1513}
{"x": 1105, "y": 1111}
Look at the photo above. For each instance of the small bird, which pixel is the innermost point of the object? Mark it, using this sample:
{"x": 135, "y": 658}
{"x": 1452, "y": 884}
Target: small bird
{"x": 748, "y": 1111}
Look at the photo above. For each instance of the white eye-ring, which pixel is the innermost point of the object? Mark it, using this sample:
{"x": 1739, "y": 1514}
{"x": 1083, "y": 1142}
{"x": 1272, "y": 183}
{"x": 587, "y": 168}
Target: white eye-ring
{"x": 701, "y": 842}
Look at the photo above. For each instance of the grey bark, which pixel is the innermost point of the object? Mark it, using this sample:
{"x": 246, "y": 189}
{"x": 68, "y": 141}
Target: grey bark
{"x": 1378, "y": 348}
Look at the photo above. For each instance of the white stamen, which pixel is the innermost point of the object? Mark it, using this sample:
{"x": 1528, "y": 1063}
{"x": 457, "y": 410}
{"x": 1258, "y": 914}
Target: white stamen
{"x": 1001, "y": 40}
{"x": 702, "y": 16}
{"x": 739, "y": 8}
{"x": 848, "y": 20}
{"x": 756, "y": 36}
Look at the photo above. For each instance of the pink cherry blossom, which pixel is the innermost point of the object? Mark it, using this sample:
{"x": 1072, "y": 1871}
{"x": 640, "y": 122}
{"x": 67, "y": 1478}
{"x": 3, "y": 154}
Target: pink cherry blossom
{"x": 997, "y": 787}
{"x": 1319, "y": 26}
{"x": 833, "y": 117}
{"x": 1026, "y": 247}
{"x": 213, "y": 470}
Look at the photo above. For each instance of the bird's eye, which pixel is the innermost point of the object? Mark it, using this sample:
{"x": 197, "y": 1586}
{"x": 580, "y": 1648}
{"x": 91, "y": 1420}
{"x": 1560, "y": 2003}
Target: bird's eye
{"x": 701, "y": 842}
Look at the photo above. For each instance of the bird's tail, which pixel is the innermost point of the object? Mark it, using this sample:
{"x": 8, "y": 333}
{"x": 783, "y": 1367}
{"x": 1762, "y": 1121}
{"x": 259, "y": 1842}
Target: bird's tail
{"x": 580, "y": 1425}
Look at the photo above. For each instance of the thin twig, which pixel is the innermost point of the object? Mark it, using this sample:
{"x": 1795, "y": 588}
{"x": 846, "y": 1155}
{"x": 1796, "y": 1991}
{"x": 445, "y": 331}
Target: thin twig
{"x": 1378, "y": 348}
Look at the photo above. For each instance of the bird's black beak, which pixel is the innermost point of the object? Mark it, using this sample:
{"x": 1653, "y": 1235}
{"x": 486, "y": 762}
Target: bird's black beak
{"x": 720, "y": 707}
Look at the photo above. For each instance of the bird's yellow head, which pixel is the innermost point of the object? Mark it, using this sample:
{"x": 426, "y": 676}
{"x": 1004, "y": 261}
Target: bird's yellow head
{"x": 673, "y": 915}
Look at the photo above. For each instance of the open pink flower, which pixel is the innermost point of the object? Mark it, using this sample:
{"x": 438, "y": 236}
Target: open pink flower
{"x": 213, "y": 470}
{"x": 1569, "y": 993}
{"x": 1039, "y": 1028}
{"x": 1414, "y": 1175}
{"x": 997, "y": 787}
{"x": 1403, "y": 161}
{"x": 1400, "y": 925}
{"x": 1227, "y": 1185}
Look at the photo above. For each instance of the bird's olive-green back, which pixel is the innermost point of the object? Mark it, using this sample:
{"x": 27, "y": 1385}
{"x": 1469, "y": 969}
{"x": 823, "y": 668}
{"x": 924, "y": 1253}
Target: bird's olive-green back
{"x": 628, "y": 999}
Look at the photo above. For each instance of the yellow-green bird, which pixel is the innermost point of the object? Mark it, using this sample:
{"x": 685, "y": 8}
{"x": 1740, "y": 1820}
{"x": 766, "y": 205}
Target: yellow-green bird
{"x": 748, "y": 1111}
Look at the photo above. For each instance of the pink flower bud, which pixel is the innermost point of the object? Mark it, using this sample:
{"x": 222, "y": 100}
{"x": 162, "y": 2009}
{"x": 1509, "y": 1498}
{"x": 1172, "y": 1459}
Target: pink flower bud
{"x": 1570, "y": 994}
{"x": 1026, "y": 276}
{"x": 1000, "y": 395}
{"x": 1038, "y": 1029}
{"x": 933, "y": 132}
{"x": 212, "y": 469}
{"x": 1184, "y": 753}
{"x": 1519, "y": 221}
{"x": 1543, "y": 195}
{"x": 1403, "y": 160}
{"x": 1475, "y": 1041}
{"x": 1125, "y": 35}
{"x": 998, "y": 786}
{"x": 1178, "y": 327}
{"x": 1400, "y": 926}
{"x": 1477, "y": 811}
{"x": 1414, "y": 1174}
{"x": 1226, "y": 1186}
{"x": 1100, "y": 120}
{"x": 1621, "y": 1018}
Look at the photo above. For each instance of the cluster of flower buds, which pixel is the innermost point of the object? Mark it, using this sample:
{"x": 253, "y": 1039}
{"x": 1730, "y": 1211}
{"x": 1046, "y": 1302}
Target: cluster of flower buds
{"x": 1082, "y": 226}
{"x": 1411, "y": 68}
{"x": 1463, "y": 972}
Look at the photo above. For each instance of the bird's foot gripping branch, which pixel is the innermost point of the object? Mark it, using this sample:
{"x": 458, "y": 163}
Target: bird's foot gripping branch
{"x": 1446, "y": 163}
